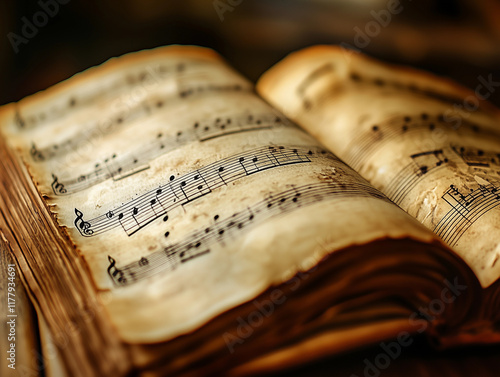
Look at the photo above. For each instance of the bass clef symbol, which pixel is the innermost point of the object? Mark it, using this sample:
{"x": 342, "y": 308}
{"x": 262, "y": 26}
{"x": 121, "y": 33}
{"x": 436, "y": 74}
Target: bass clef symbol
{"x": 82, "y": 226}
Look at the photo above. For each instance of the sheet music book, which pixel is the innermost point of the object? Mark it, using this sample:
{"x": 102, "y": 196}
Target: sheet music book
{"x": 169, "y": 218}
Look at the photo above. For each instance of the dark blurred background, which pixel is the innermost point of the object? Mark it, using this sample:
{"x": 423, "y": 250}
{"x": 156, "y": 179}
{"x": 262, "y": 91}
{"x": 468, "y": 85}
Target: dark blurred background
{"x": 460, "y": 39}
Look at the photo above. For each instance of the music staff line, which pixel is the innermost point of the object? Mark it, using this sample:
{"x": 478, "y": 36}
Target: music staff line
{"x": 155, "y": 72}
{"x": 119, "y": 167}
{"x": 421, "y": 165}
{"x": 478, "y": 158}
{"x": 138, "y": 213}
{"x": 316, "y": 75}
{"x": 427, "y": 162}
{"x": 95, "y": 129}
{"x": 465, "y": 211}
{"x": 374, "y": 81}
{"x": 374, "y": 138}
{"x": 201, "y": 242}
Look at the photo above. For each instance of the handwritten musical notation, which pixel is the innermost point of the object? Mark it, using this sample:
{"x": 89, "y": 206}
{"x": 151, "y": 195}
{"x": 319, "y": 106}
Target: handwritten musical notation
{"x": 140, "y": 212}
{"x": 118, "y": 167}
{"x": 466, "y": 208}
{"x": 110, "y": 123}
{"x": 424, "y": 163}
{"x": 376, "y": 135}
{"x": 204, "y": 241}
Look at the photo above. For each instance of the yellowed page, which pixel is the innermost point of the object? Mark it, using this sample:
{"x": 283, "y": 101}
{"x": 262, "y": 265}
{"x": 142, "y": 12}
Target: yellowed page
{"x": 431, "y": 146}
{"x": 184, "y": 192}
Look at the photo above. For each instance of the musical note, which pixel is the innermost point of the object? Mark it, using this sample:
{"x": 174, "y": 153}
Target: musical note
{"x": 466, "y": 209}
{"x": 456, "y": 199}
{"x": 157, "y": 201}
{"x": 19, "y": 120}
{"x": 135, "y": 211}
{"x": 241, "y": 160}
{"x": 221, "y": 170}
{"x": 120, "y": 218}
{"x": 180, "y": 191}
{"x": 36, "y": 154}
{"x": 214, "y": 236}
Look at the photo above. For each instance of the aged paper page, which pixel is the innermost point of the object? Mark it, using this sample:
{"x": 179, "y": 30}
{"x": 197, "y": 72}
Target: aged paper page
{"x": 432, "y": 147}
{"x": 185, "y": 193}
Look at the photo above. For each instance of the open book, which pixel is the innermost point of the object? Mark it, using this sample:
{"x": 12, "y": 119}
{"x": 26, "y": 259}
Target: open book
{"x": 168, "y": 220}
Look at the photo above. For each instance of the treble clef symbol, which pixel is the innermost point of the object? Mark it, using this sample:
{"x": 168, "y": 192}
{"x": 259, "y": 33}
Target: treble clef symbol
{"x": 57, "y": 187}
{"x": 115, "y": 273}
{"x": 82, "y": 226}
